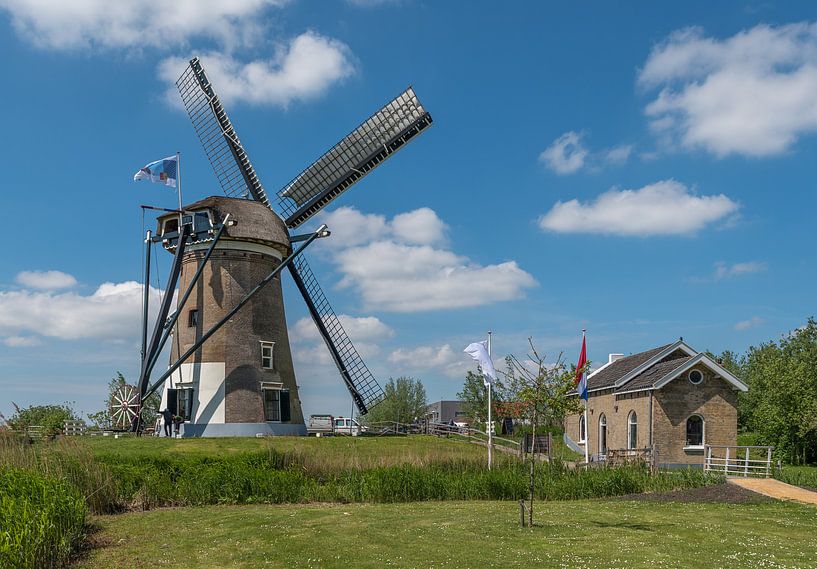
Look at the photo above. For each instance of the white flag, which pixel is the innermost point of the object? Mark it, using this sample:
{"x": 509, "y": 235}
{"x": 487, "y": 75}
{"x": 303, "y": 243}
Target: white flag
{"x": 164, "y": 171}
{"x": 479, "y": 351}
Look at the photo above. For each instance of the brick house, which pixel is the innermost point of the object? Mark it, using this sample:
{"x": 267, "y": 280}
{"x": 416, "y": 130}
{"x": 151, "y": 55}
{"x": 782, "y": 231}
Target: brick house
{"x": 671, "y": 399}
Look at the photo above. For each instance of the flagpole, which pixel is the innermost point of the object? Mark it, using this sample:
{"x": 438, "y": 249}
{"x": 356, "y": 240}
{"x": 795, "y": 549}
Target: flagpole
{"x": 179, "y": 179}
{"x": 490, "y": 423}
{"x": 586, "y": 424}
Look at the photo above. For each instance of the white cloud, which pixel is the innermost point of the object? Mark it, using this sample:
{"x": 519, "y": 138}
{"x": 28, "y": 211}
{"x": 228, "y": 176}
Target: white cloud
{"x": 663, "y": 208}
{"x": 404, "y": 278}
{"x": 430, "y": 358}
{"x": 21, "y": 341}
{"x": 752, "y": 94}
{"x": 46, "y": 280}
{"x": 112, "y": 312}
{"x": 82, "y": 24}
{"x": 360, "y": 329}
{"x": 566, "y": 154}
{"x": 403, "y": 265}
{"x": 723, "y": 270}
{"x": 421, "y": 227}
{"x": 618, "y": 154}
{"x": 302, "y": 70}
{"x": 751, "y": 323}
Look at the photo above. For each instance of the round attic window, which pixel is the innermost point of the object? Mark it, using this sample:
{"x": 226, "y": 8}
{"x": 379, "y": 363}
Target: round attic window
{"x": 696, "y": 376}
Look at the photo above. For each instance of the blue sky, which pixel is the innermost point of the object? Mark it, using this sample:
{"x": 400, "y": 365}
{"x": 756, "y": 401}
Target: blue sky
{"x": 645, "y": 172}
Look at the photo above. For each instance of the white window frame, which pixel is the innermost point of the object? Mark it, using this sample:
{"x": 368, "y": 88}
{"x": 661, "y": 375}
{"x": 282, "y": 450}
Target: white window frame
{"x": 582, "y": 429}
{"x": 689, "y": 376}
{"x": 703, "y": 433}
{"x": 632, "y": 420}
{"x": 271, "y": 347}
{"x": 264, "y": 394}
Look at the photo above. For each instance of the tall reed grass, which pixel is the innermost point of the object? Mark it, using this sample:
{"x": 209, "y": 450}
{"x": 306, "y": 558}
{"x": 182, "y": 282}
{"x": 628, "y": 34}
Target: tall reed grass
{"x": 41, "y": 520}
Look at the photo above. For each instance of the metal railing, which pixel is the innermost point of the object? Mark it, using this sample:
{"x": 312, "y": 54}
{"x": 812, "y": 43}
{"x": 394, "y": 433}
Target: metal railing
{"x": 739, "y": 460}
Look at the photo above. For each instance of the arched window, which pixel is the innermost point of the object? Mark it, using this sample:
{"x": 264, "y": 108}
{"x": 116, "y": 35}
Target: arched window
{"x": 582, "y": 429}
{"x": 602, "y": 434}
{"x": 695, "y": 431}
{"x": 632, "y": 431}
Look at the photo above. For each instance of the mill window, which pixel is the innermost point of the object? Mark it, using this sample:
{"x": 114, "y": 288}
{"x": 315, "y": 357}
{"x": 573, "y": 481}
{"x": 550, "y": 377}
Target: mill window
{"x": 276, "y": 405}
{"x": 266, "y": 355}
{"x": 184, "y": 406}
{"x": 193, "y": 318}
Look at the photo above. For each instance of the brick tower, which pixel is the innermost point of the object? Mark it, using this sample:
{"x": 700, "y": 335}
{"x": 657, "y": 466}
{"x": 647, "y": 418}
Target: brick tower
{"x": 241, "y": 382}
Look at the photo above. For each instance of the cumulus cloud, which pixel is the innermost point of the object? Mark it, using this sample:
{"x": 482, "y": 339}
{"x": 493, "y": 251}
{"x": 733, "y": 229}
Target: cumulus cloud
{"x": 747, "y": 324}
{"x": 45, "y": 280}
{"x": 112, "y": 312}
{"x": 360, "y": 329}
{"x": 82, "y": 24}
{"x": 724, "y": 270}
{"x": 618, "y": 154}
{"x": 442, "y": 359}
{"x": 663, "y": 208}
{"x": 751, "y": 94}
{"x": 566, "y": 154}
{"x": 301, "y": 70}
{"x": 403, "y": 264}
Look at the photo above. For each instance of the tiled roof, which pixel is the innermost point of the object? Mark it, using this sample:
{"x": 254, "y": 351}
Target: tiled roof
{"x": 647, "y": 378}
{"x": 608, "y": 376}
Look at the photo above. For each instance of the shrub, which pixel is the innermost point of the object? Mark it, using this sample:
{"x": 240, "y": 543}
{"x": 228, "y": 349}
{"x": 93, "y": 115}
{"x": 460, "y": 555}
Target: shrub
{"x": 42, "y": 519}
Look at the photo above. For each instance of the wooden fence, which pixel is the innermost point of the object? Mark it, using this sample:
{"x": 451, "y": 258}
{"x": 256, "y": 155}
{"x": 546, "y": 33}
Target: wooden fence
{"x": 739, "y": 460}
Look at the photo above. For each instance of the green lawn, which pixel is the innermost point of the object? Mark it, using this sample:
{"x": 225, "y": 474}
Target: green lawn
{"x": 587, "y": 533}
{"x": 340, "y": 451}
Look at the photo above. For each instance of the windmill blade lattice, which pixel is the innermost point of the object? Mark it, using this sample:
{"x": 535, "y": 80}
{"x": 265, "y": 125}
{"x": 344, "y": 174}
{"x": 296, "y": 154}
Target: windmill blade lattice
{"x": 123, "y": 406}
{"x": 230, "y": 163}
{"x": 359, "y": 380}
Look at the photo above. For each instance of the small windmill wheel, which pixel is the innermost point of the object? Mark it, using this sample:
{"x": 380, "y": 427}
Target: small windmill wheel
{"x": 123, "y": 406}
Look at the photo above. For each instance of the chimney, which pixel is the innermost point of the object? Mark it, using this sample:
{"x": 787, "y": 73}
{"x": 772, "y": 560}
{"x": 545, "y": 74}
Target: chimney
{"x": 614, "y": 357}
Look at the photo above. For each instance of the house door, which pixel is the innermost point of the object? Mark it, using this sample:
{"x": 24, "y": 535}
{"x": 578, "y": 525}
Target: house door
{"x": 602, "y": 435}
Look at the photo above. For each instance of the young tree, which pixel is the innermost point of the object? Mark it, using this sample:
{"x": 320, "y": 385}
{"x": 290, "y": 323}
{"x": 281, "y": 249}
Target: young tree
{"x": 541, "y": 390}
{"x": 405, "y": 400}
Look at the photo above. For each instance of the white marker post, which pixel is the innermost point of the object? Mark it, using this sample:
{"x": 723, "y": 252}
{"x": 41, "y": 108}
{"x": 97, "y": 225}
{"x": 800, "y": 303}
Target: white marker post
{"x": 490, "y": 422}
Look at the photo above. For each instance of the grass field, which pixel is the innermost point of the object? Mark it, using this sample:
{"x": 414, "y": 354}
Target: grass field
{"x": 459, "y": 535}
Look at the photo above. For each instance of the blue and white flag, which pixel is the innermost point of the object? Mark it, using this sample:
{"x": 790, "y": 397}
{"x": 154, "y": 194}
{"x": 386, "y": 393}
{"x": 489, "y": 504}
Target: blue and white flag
{"x": 164, "y": 171}
{"x": 479, "y": 351}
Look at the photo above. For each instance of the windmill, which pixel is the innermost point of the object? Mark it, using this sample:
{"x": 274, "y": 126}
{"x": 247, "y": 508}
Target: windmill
{"x": 244, "y": 236}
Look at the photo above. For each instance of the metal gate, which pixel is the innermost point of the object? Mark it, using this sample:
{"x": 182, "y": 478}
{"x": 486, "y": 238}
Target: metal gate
{"x": 739, "y": 460}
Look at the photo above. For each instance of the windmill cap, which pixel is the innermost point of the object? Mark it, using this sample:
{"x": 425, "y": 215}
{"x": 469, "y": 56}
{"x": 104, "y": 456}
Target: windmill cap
{"x": 251, "y": 221}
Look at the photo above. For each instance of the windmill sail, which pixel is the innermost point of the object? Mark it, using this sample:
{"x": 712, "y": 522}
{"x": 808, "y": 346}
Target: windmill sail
{"x": 231, "y": 164}
{"x": 357, "y": 154}
{"x": 359, "y": 380}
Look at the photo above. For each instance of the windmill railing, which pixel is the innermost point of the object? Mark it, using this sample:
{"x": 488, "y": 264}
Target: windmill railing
{"x": 745, "y": 461}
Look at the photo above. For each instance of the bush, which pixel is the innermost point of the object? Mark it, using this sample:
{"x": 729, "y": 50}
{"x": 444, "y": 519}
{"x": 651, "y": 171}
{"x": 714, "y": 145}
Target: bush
{"x": 50, "y": 417}
{"x": 42, "y": 519}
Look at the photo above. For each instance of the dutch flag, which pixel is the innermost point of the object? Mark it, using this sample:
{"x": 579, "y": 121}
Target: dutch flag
{"x": 581, "y": 376}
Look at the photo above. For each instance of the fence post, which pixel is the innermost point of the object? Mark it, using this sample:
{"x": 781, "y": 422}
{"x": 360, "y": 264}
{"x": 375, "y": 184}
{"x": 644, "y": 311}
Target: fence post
{"x": 746, "y": 466}
{"x": 726, "y": 462}
{"x": 768, "y": 460}
{"x": 521, "y": 513}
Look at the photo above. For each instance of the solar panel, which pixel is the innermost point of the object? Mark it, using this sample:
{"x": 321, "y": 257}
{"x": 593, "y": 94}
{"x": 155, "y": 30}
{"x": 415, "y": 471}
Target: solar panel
{"x": 357, "y": 154}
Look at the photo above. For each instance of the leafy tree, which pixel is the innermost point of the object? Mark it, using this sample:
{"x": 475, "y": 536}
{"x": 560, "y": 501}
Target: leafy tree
{"x": 541, "y": 391}
{"x": 781, "y": 404}
{"x": 405, "y": 400}
{"x": 474, "y": 396}
{"x": 50, "y": 417}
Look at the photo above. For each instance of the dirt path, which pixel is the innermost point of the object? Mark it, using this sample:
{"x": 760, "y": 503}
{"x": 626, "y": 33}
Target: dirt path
{"x": 776, "y": 489}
